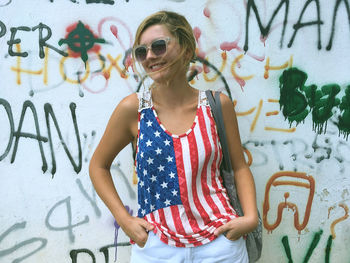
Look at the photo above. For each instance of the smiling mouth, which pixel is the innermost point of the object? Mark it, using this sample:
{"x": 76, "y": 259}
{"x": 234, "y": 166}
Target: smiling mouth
{"x": 156, "y": 67}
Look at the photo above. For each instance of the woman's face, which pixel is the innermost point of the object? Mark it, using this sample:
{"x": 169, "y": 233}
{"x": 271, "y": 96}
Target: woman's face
{"x": 161, "y": 67}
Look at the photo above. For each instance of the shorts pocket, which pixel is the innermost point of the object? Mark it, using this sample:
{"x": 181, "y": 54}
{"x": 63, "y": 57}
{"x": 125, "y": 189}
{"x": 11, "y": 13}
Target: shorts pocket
{"x": 146, "y": 244}
{"x": 237, "y": 241}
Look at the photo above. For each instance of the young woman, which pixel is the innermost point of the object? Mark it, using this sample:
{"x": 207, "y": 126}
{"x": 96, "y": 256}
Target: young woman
{"x": 184, "y": 212}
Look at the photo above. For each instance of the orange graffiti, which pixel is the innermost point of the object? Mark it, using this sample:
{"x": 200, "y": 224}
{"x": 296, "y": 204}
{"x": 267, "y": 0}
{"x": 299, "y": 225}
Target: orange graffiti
{"x": 270, "y": 113}
{"x": 338, "y": 220}
{"x": 249, "y": 156}
{"x": 288, "y": 205}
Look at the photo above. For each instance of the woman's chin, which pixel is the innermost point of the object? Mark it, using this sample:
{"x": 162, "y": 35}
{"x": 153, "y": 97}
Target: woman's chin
{"x": 159, "y": 75}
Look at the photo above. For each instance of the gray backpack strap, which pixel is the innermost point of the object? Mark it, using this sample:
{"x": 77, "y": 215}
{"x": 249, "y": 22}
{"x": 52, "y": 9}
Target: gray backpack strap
{"x": 254, "y": 238}
{"x": 215, "y": 105}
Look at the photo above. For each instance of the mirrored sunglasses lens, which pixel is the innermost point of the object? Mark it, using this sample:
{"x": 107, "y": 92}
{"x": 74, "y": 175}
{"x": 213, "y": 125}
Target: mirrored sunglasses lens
{"x": 140, "y": 53}
{"x": 159, "y": 47}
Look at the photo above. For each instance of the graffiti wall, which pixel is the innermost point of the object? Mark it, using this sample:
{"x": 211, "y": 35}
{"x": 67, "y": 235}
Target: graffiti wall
{"x": 65, "y": 65}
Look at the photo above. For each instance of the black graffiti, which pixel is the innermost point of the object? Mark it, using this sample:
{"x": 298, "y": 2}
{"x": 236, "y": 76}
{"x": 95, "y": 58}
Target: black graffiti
{"x": 13, "y": 41}
{"x": 92, "y": 200}
{"x": 45, "y": 34}
{"x": 265, "y": 30}
{"x": 300, "y": 152}
{"x": 16, "y": 135}
{"x": 8, "y": 2}
{"x": 299, "y": 24}
{"x": 107, "y": 2}
{"x": 104, "y": 250}
{"x": 19, "y": 134}
{"x": 88, "y": 145}
{"x": 19, "y": 245}
{"x": 2, "y": 29}
{"x": 346, "y": 3}
{"x": 116, "y": 167}
{"x": 49, "y": 112}
{"x": 70, "y": 226}
{"x": 217, "y": 71}
{"x": 73, "y": 1}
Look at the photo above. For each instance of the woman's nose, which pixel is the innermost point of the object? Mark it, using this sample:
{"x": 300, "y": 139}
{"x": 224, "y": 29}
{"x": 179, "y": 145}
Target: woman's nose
{"x": 149, "y": 53}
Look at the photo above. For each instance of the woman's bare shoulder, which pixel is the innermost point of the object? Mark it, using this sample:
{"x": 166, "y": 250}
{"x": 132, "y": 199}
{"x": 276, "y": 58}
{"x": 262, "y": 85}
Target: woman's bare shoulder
{"x": 128, "y": 106}
{"x": 125, "y": 115}
{"x": 226, "y": 102}
{"x": 129, "y": 103}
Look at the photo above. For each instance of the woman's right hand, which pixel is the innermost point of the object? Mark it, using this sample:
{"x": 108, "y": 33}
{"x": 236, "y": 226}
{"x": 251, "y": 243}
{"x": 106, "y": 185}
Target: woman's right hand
{"x": 137, "y": 229}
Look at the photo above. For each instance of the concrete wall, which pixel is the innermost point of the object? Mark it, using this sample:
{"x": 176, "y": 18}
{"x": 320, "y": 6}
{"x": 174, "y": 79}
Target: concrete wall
{"x": 293, "y": 102}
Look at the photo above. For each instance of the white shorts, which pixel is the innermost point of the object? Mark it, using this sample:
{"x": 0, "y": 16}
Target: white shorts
{"x": 220, "y": 250}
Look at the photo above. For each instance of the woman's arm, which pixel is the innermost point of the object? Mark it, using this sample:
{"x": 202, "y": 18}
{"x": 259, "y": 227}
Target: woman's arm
{"x": 243, "y": 177}
{"x": 120, "y": 131}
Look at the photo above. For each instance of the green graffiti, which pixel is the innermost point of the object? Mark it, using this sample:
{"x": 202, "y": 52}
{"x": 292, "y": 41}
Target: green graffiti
{"x": 309, "y": 252}
{"x": 328, "y": 248}
{"x": 297, "y": 100}
{"x": 313, "y": 245}
{"x": 344, "y": 119}
{"x": 322, "y": 110}
{"x": 81, "y": 40}
{"x": 292, "y": 102}
{"x": 286, "y": 246}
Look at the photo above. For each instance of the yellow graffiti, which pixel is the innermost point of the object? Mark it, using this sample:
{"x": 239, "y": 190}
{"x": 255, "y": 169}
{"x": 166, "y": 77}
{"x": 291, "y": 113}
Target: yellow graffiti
{"x": 243, "y": 113}
{"x": 46, "y": 62}
{"x": 233, "y": 71}
{"x": 20, "y": 70}
{"x": 252, "y": 127}
{"x": 257, "y": 115}
{"x": 223, "y": 64}
{"x": 280, "y": 129}
{"x": 268, "y": 67}
{"x": 114, "y": 63}
{"x": 73, "y": 81}
{"x": 273, "y": 113}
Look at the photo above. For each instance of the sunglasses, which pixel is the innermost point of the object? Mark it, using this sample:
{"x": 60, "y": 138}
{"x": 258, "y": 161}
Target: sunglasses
{"x": 158, "y": 47}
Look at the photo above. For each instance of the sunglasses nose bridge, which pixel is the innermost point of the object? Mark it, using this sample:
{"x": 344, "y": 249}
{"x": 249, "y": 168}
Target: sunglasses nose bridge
{"x": 149, "y": 53}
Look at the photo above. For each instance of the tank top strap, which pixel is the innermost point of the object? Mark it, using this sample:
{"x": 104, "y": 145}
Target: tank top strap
{"x": 145, "y": 99}
{"x": 202, "y": 99}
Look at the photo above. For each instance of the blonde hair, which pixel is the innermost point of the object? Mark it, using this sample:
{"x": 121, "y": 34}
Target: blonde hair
{"x": 178, "y": 26}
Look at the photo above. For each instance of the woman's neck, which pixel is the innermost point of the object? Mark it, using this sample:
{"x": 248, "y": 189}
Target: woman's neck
{"x": 174, "y": 93}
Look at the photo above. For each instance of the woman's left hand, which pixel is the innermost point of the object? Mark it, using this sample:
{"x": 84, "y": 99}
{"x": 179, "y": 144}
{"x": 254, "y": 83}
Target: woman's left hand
{"x": 236, "y": 228}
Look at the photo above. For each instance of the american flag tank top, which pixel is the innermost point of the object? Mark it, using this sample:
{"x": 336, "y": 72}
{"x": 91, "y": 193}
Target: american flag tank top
{"x": 180, "y": 189}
